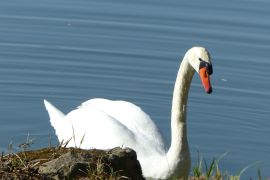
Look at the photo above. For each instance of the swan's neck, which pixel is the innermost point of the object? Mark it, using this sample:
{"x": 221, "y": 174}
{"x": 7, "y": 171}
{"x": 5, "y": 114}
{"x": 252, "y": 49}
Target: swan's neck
{"x": 178, "y": 155}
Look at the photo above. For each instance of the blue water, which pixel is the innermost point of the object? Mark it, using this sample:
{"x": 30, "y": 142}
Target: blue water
{"x": 70, "y": 51}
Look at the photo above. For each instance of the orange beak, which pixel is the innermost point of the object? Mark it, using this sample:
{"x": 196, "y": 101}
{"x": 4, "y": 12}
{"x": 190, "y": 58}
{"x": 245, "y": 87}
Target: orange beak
{"x": 205, "y": 78}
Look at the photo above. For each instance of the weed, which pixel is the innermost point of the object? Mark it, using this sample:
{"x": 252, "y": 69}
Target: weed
{"x": 259, "y": 174}
{"x": 212, "y": 171}
{"x": 102, "y": 170}
{"x": 27, "y": 144}
{"x": 209, "y": 171}
{"x": 74, "y": 138}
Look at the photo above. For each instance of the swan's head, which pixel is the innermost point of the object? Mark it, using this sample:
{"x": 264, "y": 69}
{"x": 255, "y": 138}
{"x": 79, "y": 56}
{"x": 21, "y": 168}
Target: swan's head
{"x": 199, "y": 58}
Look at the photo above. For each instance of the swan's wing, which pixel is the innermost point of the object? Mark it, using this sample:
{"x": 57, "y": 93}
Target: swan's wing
{"x": 56, "y": 118}
{"x": 129, "y": 118}
{"x": 92, "y": 128}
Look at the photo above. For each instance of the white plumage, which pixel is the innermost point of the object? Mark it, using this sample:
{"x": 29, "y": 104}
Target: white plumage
{"x": 103, "y": 124}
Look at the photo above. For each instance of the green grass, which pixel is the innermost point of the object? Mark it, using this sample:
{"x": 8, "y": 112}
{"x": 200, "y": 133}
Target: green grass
{"x": 211, "y": 171}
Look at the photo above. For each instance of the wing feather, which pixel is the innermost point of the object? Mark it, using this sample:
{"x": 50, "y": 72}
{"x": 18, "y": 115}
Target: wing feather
{"x": 131, "y": 119}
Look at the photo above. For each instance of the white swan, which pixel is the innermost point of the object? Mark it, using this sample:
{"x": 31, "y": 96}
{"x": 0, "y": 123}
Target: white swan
{"x": 103, "y": 124}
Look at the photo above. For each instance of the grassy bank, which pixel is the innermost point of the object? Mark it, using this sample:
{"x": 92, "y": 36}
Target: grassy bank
{"x": 24, "y": 165}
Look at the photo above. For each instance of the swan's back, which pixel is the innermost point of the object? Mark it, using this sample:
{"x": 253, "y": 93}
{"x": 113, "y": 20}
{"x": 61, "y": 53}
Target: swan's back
{"x": 103, "y": 124}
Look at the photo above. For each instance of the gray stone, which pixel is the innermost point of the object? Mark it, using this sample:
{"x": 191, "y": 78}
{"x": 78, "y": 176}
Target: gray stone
{"x": 125, "y": 160}
{"x": 77, "y": 163}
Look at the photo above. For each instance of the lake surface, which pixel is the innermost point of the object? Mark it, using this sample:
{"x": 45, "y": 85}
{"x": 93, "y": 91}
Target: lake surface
{"x": 70, "y": 51}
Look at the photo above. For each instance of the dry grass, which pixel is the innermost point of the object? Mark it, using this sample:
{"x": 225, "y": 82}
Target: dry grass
{"x": 24, "y": 165}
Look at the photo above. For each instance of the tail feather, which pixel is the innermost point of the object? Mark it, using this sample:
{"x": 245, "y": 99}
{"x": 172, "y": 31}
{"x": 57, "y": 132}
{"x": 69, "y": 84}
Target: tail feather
{"x": 55, "y": 114}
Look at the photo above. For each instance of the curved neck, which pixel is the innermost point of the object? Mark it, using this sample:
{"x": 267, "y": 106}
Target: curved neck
{"x": 179, "y": 145}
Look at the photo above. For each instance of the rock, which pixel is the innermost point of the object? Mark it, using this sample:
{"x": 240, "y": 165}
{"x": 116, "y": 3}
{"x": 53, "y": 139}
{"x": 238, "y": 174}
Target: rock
{"x": 68, "y": 165}
{"x": 86, "y": 163}
{"x": 125, "y": 161}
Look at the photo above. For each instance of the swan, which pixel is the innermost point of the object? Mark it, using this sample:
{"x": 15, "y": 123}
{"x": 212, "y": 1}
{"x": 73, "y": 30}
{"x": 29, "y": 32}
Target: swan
{"x": 103, "y": 124}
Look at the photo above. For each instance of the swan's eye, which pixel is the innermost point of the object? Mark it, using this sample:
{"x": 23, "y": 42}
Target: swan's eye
{"x": 207, "y": 65}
